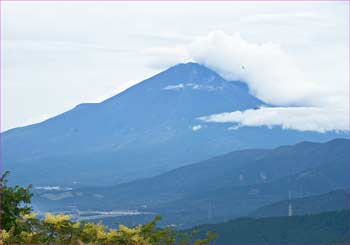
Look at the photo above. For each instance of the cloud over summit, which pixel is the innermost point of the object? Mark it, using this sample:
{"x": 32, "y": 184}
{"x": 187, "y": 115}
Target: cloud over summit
{"x": 270, "y": 72}
{"x": 265, "y": 67}
{"x": 274, "y": 76}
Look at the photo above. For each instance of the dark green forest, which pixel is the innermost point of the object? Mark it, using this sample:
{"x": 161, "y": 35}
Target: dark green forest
{"x": 323, "y": 228}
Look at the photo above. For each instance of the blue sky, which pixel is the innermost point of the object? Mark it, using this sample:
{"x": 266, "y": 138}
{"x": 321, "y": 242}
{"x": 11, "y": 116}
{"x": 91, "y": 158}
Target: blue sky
{"x": 57, "y": 55}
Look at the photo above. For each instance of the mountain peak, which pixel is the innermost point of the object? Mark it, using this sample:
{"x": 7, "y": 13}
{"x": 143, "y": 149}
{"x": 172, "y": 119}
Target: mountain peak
{"x": 188, "y": 72}
{"x": 191, "y": 67}
{"x": 204, "y": 74}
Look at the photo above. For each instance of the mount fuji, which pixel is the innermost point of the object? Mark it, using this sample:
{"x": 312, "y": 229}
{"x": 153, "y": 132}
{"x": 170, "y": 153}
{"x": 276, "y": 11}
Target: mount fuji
{"x": 146, "y": 130}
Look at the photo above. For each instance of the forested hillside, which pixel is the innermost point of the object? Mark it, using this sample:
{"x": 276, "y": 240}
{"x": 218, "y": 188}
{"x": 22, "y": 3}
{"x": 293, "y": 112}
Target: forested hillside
{"x": 324, "y": 228}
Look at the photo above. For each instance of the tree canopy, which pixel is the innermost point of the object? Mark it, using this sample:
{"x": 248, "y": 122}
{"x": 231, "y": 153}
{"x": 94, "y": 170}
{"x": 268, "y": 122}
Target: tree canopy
{"x": 21, "y": 226}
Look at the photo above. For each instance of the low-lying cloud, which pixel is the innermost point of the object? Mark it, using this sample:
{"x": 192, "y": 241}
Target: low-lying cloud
{"x": 297, "y": 118}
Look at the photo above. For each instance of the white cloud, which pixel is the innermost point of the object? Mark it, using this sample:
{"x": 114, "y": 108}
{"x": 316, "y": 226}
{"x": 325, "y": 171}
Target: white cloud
{"x": 297, "y": 118}
{"x": 269, "y": 71}
{"x": 310, "y": 81}
{"x": 271, "y": 74}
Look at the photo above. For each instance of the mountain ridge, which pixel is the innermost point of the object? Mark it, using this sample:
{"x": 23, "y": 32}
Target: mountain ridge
{"x": 232, "y": 184}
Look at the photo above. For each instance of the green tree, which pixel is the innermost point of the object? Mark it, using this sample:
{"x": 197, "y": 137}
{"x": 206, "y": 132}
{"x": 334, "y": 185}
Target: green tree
{"x": 15, "y": 202}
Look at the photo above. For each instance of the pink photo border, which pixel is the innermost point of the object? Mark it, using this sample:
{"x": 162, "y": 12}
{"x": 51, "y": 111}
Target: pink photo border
{"x": 190, "y": 1}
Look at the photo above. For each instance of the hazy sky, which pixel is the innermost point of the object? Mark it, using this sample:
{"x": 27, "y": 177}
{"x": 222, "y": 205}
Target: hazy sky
{"x": 56, "y": 55}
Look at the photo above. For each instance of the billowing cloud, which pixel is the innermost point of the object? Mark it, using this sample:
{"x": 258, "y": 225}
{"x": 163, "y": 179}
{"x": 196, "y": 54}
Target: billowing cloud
{"x": 310, "y": 94}
{"x": 269, "y": 71}
{"x": 297, "y": 118}
{"x": 271, "y": 74}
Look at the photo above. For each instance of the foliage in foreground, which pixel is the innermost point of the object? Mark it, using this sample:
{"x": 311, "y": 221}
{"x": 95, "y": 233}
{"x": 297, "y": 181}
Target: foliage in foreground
{"x": 20, "y": 225}
{"x": 59, "y": 229}
{"x": 14, "y": 202}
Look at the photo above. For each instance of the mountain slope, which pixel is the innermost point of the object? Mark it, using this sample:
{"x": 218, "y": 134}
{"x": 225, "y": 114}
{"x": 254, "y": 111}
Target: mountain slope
{"x": 146, "y": 130}
{"x": 228, "y": 186}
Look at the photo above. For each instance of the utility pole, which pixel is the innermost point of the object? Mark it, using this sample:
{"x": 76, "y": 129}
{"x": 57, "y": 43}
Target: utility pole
{"x": 290, "y": 207}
